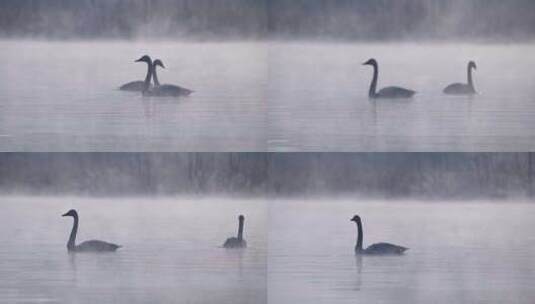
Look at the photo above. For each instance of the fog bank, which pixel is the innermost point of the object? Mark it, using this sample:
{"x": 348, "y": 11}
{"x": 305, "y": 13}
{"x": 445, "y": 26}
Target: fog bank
{"x": 384, "y": 175}
{"x": 220, "y": 19}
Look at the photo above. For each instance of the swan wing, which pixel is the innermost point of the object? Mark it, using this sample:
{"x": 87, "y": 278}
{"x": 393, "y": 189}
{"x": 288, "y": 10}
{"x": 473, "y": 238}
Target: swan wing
{"x": 96, "y": 246}
{"x": 458, "y": 89}
{"x": 172, "y": 90}
{"x": 385, "y": 248}
{"x": 395, "y": 92}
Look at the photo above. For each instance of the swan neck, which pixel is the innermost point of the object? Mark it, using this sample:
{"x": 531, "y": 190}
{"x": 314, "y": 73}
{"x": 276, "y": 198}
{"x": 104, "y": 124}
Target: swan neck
{"x": 148, "y": 77}
{"x": 72, "y": 237}
{"x": 373, "y": 85}
{"x": 240, "y": 230}
{"x": 360, "y": 236}
{"x": 470, "y": 81}
{"x": 155, "y": 77}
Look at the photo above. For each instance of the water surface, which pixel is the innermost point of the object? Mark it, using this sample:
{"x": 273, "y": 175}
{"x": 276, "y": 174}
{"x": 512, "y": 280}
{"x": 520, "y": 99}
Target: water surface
{"x": 63, "y": 96}
{"x": 172, "y": 251}
{"x": 318, "y": 95}
{"x": 471, "y": 252}
{"x": 260, "y": 96}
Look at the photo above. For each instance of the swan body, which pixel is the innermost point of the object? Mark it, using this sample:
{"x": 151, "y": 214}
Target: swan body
{"x": 87, "y": 246}
{"x": 237, "y": 242}
{"x": 138, "y": 85}
{"x": 133, "y": 86}
{"x": 375, "y": 249}
{"x": 170, "y": 90}
{"x": 96, "y": 246}
{"x": 388, "y": 92}
{"x": 384, "y": 249}
{"x": 165, "y": 89}
{"x": 394, "y": 92}
{"x": 463, "y": 88}
{"x": 234, "y": 242}
{"x": 459, "y": 89}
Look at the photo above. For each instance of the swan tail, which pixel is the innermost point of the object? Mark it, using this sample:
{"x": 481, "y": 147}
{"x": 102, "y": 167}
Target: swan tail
{"x": 401, "y": 249}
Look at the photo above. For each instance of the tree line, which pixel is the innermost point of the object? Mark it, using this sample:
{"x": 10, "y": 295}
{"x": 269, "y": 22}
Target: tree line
{"x": 390, "y": 175}
{"x": 328, "y": 19}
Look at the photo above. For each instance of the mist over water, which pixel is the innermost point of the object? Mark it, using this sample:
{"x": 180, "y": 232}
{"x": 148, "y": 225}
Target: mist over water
{"x": 272, "y": 75}
{"x": 259, "y": 96}
{"x": 268, "y": 76}
{"x": 459, "y": 252}
{"x": 64, "y": 96}
{"x": 171, "y": 251}
{"x": 318, "y": 95}
{"x": 467, "y": 219}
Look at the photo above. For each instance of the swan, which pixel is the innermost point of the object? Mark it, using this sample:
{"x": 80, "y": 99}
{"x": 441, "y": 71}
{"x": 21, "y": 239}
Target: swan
{"x": 139, "y": 85}
{"x": 375, "y": 249}
{"x": 388, "y": 92}
{"x": 165, "y": 89}
{"x": 237, "y": 242}
{"x": 463, "y": 88}
{"x": 88, "y": 246}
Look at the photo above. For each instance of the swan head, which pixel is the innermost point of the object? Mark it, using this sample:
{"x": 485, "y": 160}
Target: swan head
{"x": 472, "y": 65}
{"x": 356, "y": 219}
{"x": 371, "y": 61}
{"x": 71, "y": 212}
{"x": 159, "y": 63}
{"x": 241, "y": 218}
{"x": 144, "y": 58}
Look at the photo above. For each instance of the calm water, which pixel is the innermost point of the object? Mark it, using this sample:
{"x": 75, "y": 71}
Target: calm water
{"x": 318, "y": 98}
{"x": 459, "y": 253}
{"x": 63, "y": 96}
{"x": 171, "y": 251}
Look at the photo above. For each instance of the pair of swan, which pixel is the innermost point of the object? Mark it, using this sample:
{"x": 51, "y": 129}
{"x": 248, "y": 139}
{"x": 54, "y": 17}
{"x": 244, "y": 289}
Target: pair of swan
{"x": 157, "y": 89}
{"x": 397, "y": 92}
{"x": 101, "y": 246}
{"x": 375, "y": 249}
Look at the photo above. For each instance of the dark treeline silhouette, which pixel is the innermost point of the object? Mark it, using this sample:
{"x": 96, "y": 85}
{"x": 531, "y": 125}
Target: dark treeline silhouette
{"x": 132, "y": 18}
{"x": 132, "y": 173}
{"x": 441, "y": 175}
{"x": 403, "y": 19}
{"x": 390, "y": 175}
{"x": 330, "y": 19}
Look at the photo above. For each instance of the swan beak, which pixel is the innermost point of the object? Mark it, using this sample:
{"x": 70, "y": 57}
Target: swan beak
{"x": 66, "y": 214}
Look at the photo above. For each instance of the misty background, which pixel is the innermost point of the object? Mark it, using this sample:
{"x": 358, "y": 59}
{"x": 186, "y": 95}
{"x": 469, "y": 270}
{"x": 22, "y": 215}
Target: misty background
{"x": 256, "y": 19}
{"x": 381, "y": 175}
